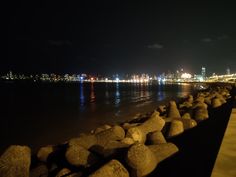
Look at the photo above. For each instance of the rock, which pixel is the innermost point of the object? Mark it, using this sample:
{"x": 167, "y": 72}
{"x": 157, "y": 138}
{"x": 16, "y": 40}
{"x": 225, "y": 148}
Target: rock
{"x": 200, "y": 112}
{"x": 185, "y": 104}
{"x": 187, "y": 123}
{"x": 112, "y": 146}
{"x": 100, "y": 139}
{"x": 144, "y": 159}
{"x": 154, "y": 123}
{"x": 156, "y": 138}
{"x": 100, "y": 129}
{"x": 39, "y": 171}
{"x": 163, "y": 151}
{"x": 112, "y": 169}
{"x": 222, "y": 99}
{"x": 44, "y": 152}
{"x": 216, "y": 102}
{"x": 99, "y": 142}
{"x": 114, "y": 133}
{"x": 128, "y": 141}
{"x": 161, "y": 109}
{"x": 116, "y": 145}
{"x": 127, "y": 126}
{"x": 190, "y": 99}
{"x": 15, "y": 162}
{"x": 65, "y": 172}
{"x": 176, "y": 128}
{"x": 186, "y": 116}
{"x": 207, "y": 100}
{"x": 199, "y": 104}
{"x": 141, "y": 159}
{"x": 173, "y": 110}
{"x": 86, "y": 141}
{"x": 97, "y": 130}
{"x": 79, "y": 156}
{"x": 200, "y": 99}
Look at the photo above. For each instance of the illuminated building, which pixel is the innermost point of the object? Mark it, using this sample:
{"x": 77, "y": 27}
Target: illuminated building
{"x": 203, "y": 73}
{"x": 228, "y": 71}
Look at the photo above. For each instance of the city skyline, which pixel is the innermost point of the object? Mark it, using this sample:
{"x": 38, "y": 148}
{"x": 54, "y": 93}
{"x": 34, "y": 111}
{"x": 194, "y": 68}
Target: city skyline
{"x": 108, "y": 37}
{"x": 171, "y": 77}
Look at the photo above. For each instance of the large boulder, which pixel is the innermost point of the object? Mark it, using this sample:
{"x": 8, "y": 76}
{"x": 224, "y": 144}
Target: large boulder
{"x": 127, "y": 125}
{"x": 114, "y": 133}
{"x": 154, "y": 123}
{"x": 15, "y": 162}
{"x": 156, "y": 138}
{"x": 100, "y": 129}
{"x": 173, "y": 110}
{"x": 200, "y": 99}
{"x": 216, "y": 103}
{"x": 98, "y": 142}
{"x": 79, "y": 156}
{"x": 86, "y": 141}
{"x": 200, "y": 111}
{"x": 44, "y": 152}
{"x": 207, "y": 100}
{"x": 190, "y": 99}
{"x": 163, "y": 151}
{"x": 221, "y": 98}
{"x": 112, "y": 169}
{"x": 144, "y": 159}
{"x": 186, "y": 116}
{"x": 161, "y": 109}
{"x": 176, "y": 128}
{"x": 65, "y": 172}
{"x": 187, "y": 123}
{"x": 141, "y": 159}
{"x": 185, "y": 104}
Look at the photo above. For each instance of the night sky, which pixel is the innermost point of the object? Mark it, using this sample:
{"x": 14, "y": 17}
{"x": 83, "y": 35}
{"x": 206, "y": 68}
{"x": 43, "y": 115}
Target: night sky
{"x": 108, "y": 37}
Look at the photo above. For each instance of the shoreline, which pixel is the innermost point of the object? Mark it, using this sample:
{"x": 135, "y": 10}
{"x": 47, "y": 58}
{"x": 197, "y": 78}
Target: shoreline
{"x": 176, "y": 139}
{"x": 42, "y": 118}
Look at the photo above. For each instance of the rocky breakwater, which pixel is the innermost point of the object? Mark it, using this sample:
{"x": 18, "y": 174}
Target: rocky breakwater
{"x": 134, "y": 148}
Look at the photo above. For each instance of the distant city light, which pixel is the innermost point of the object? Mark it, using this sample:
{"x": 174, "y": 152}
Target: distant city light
{"x": 117, "y": 79}
{"x": 169, "y": 77}
{"x": 186, "y": 76}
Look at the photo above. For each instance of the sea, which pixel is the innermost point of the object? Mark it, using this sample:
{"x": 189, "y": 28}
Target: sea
{"x": 38, "y": 114}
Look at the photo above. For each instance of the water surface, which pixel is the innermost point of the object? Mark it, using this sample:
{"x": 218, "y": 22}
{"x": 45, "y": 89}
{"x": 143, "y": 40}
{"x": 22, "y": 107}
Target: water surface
{"x": 38, "y": 114}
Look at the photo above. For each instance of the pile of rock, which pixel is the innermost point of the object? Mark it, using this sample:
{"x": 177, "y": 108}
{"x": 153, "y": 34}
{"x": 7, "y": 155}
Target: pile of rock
{"x": 132, "y": 148}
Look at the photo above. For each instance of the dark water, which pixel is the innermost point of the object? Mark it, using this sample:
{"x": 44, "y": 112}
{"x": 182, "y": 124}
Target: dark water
{"x": 38, "y": 114}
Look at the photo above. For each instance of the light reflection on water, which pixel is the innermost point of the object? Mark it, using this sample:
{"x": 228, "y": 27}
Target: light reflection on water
{"x": 93, "y": 95}
{"x": 160, "y": 93}
{"x": 56, "y": 112}
{"x": 82, "y": 99}
{"x": 183, "y": 90}
{"x": 117, "y": 95}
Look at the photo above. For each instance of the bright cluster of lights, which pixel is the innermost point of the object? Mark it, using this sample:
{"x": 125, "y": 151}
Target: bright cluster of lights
{"x": 186, "y": 76}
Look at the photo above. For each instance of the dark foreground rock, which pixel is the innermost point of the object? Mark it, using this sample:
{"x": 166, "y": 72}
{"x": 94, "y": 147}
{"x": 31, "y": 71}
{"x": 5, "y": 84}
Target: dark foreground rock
{"x": 15, "y": 162}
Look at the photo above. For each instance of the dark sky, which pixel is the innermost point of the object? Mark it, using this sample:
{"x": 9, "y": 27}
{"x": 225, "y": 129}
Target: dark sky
{"x": 114, "y": 36}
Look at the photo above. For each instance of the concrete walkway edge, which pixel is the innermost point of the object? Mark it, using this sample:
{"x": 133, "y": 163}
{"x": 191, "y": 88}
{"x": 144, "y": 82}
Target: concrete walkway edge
{"x": 225, "y": 165}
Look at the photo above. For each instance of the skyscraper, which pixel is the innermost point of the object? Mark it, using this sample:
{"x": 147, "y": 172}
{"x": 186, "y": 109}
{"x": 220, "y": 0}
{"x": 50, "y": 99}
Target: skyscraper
{"x": 203, "y": 72}
{"x": 228, "y": 71}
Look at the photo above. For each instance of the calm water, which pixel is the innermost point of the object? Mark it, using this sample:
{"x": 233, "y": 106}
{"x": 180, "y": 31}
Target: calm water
{"x": 38, "y": 114}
